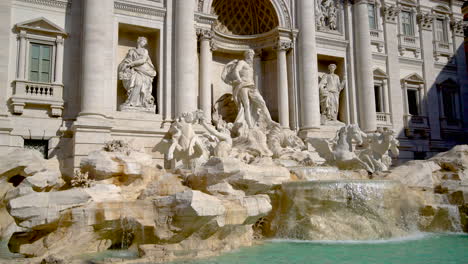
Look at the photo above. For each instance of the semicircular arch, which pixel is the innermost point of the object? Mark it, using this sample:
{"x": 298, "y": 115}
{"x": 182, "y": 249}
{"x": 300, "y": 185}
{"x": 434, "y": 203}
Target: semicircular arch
{"x": 280, "y": 7}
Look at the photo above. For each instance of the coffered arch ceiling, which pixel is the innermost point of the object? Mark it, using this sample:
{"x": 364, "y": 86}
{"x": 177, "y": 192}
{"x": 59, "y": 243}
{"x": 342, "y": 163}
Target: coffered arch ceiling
{"x": 244, "y": 17}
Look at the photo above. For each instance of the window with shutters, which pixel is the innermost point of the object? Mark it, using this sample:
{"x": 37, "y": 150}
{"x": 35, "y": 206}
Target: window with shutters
{"x": 40, "y": 66}
{"x": 407, "y": 25}
{"x": 441, "y": 31}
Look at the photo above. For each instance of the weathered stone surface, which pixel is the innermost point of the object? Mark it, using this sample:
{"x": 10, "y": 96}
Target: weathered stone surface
{"x": 24, "y": 162}
{"x": 224, "y": 188}
{"x": 44, "y": 181}
{"x": 250, "y": 178}
{"x": 102, "y": 164}
{"x": 327, "y": 173}
{"x": 37, "y": 209}
{"x": 415, "y": 174}
{"x": 195, "y": 203}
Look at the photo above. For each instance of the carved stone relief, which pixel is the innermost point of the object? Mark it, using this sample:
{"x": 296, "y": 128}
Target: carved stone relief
{"x": 326, "y": 14}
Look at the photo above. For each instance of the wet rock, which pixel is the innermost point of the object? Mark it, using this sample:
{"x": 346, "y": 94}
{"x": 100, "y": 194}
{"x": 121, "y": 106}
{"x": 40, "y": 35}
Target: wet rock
{"x": 415, "y": 174}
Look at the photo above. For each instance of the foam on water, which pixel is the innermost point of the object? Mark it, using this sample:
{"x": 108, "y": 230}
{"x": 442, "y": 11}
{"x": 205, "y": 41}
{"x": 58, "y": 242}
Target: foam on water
{"x": 412, "y": 237}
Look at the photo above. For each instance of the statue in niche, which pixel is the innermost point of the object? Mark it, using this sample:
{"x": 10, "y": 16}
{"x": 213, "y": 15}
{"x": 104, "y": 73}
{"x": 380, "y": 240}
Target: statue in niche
{"x": 326, "y": 15}
{"x": 137, "y": 73}
{"x": 330, "y": 88}
{"x": 252, "y": 110}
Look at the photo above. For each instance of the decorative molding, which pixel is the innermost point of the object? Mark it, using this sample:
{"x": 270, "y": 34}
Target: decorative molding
{"x": 206, "y": 19}
{"x": 50, "y": 3}
{"x": 425, "y": 20}
{"x": 138, "y": 10}
{"x": 390, "y": 13}
{"x": 204, "y": 34}
{"x": 283, "y": 45}
{"x": 458, "y": 26}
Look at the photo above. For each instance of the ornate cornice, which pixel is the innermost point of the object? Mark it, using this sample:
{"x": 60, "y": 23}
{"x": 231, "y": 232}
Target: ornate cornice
{"x": 50, "y": 3}
{"x": 152, "y": 11}
{"x": 457, "y": 26}
{"x": 390, "y": 13}
{"x": 425, "y": 20}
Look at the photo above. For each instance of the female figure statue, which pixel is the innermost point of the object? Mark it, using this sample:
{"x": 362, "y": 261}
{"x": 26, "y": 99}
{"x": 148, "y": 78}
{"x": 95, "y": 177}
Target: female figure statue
{"x": 137, "y": 73}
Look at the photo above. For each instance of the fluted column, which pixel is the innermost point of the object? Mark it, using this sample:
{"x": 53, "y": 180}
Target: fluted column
{"x": 206, "y": 58}
{"x": 307, "y": 66}
{"x": 22, "y": 56}
{"x": 283, "y": 93}
{"x": 365, "y": 80}
{"x": 59, "y": 61}
{"x": 98, "y": 53}
{"x": 185, "y": 55}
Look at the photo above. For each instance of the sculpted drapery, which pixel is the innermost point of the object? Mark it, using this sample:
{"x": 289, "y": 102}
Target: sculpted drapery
{"x": 330, "y": 88}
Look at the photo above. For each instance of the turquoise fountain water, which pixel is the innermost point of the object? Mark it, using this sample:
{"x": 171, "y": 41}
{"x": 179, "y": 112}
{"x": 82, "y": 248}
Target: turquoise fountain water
{"x": 418, "y": 249}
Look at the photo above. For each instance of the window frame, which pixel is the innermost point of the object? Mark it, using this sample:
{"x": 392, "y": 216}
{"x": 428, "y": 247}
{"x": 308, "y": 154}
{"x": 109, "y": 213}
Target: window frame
{"x": 41, "y": 40}
{"x": 375, "y": 16}
{"x": 445, "y": 37}
{"x": 411, "y": 23}
{"x": 52, "y": 59}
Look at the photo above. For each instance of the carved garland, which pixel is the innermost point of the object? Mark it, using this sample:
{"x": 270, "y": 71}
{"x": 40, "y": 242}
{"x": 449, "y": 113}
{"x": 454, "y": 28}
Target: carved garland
{"x": 426, "y": 20}
{"x": 391, "y": 13}
{"x": 458, "y": 26}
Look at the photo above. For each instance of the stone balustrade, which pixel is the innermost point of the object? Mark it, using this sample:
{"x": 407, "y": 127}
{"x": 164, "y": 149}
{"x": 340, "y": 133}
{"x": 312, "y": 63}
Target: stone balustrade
{"x": 384, "y": 119}
{"x": 37, "y": 93}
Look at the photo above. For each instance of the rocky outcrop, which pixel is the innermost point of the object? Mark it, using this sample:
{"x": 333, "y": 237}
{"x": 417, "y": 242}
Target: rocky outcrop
{"x": 255, "y": 178}
{"x": 440, "y": 188}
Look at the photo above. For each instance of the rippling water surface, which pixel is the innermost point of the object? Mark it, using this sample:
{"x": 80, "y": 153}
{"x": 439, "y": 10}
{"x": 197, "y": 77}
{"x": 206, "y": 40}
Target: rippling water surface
{"x": 418, "y": 249}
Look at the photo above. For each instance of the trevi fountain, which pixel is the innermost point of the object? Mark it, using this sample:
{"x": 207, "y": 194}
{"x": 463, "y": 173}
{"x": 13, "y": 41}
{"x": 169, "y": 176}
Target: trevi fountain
{"x": 248, "y": 188}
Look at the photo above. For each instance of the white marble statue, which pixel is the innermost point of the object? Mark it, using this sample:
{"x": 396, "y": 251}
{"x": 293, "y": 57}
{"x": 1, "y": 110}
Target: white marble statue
{"x": 330, "y": 88}
{"x": 222, "y": 137}
{"x": 378, "y": 144}
{"x": 137, "y": 73}
{"x": 240, "y": 75}
{"x": 339, "y": 151}
{"x": 182, "y": 144}
{"x": 326, "y": 14}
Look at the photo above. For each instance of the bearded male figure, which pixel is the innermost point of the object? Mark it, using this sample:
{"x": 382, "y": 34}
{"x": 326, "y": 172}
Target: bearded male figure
{"x": 251, "y": 107}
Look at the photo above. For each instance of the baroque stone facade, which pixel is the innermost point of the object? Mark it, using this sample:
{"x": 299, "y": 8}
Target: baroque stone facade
{"x": 398, "y": 65}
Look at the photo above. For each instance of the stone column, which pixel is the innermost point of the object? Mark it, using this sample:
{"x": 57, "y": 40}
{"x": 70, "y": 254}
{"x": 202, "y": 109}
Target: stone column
{"x": 206, "y": 58}
{"x": 98, "y": 53}
{"x": 307, "y": 67}
{"x": 59, "y": 61}
{"x": 425, "y": 21}
{"x": 365, "y": 79}
{"x": 458, "y": 41}
{"x": 22, "y": 56}
{"x": 283, "y": 93}
{"x": 185, "y": 57}
{"x": 258, "y": 70}
{"x": 396, "y": 100}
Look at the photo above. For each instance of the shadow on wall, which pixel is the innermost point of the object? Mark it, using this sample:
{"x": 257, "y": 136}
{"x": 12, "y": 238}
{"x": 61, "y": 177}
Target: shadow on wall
{"x": 435, "y": 114}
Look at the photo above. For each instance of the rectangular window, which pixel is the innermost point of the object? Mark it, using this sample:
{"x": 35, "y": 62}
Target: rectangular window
{"x": 441, "y": 31}
{"x": 378, "y": 99}
{"x": 372, "y": 17}
{"x": 413, "y": 101}
{"x": 448, "y": 99}
{"x": 40, "y": 65}
{"x": 407, "y": 26}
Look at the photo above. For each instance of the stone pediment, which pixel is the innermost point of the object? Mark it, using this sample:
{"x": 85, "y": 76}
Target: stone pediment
{"x": 414, "y": 78}
{"x": 408, "y": 2}
{"x": 380, "y": 74}
{"x": 442, "y": 9}
{"x": 42, "y": 25}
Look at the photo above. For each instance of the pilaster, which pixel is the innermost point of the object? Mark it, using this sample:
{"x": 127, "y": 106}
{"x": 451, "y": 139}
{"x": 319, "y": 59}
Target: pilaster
{"x": 425, "y": 21}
